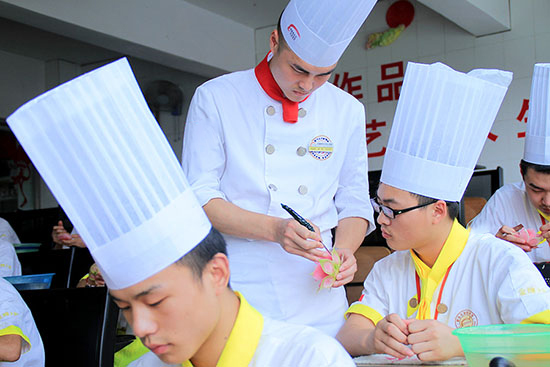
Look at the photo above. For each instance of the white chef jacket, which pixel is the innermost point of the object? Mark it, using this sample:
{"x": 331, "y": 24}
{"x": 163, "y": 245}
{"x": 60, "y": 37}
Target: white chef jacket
{"x": 256, "y": 341}
{"x": 510, "y": 206}
{"x": 7, "y": 233}
{"x": 237, "y": 147}
{"x": 16, "y": 318}
{"x": 9, "y": 262}
{"x": 491, "y": 282}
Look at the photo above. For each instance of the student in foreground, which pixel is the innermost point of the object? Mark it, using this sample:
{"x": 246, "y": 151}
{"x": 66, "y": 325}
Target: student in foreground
{"x": 159, "y": 255}
{"x": 441, "y": 276}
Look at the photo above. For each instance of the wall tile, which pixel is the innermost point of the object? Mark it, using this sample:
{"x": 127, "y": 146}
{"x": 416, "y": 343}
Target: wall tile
{"x": 457, "y": 38}
{"x": 522, "y": 19}
{"x": 490, "y": 56}
{"x": 542, "y": 47}
{"x": 541, "y": 11}
{"x": 519, "y": 56}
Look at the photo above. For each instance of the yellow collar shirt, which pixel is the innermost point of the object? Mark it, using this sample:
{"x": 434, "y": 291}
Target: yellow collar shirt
{"x": 16, "y": 319}
{"x": 490, "y": 282}
{"x": 256, "y": 341}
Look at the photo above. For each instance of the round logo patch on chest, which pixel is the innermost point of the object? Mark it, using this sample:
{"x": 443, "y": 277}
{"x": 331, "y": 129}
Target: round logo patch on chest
{"x": 465, "y": 318}
{"x": 321, "y": 147}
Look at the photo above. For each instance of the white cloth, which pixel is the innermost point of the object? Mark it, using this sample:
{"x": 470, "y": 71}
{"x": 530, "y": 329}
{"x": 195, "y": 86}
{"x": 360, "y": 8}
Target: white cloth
{"x": 282, "y": 344}
{"x": 14, "y": 312}
{"x": 510, "y": 206}
{"x": 226, "y": 154}
{"x": 7, "y": 233}
{"x": 9, "y": 262}
{"x": 492, "y": 282}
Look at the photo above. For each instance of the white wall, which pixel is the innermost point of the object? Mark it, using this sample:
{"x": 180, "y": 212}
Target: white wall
{"x": 432, "y": 38}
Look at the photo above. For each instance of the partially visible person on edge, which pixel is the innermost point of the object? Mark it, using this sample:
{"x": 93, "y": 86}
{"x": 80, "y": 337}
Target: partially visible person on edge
{"x": 63, "y": 239}
{"x": 525, "y": 205}
{"x": 7, "y": 233}
{"x": 280, "y": 134}
{"x": 163, "y": 262}
{"x": 441, "y": 276}
{"x": 9, "y": 262}
{"x": 20, "y": 341}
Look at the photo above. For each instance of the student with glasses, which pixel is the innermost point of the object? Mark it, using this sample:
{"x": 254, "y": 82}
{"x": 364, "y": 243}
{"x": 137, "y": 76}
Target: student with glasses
{"x": 441, "y": 276}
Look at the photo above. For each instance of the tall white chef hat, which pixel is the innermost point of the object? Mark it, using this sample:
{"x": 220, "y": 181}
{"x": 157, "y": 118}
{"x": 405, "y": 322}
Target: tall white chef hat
{"x": 537, "y": 136}
{"x": 441, "y": 123}
{"x": 102, "y": 154}
{"x": 319, "y": 31}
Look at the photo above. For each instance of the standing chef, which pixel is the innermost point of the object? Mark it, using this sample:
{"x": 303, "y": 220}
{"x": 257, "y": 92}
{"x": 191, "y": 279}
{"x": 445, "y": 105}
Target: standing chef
{"x": 280, "y": 134}
{"x": 127, "y": 195}
{"x": 526, "y": 203}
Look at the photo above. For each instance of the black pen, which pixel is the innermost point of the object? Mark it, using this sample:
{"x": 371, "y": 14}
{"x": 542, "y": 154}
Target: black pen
{"x": 302, "y": 221}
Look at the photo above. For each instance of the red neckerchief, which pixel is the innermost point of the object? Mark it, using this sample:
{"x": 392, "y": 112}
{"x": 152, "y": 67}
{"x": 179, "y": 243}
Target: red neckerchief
{"x": 270, "y": 86}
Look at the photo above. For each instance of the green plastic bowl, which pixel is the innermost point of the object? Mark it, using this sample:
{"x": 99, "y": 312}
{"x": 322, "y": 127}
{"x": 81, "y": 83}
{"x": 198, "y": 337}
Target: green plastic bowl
{"x": 525, "y": 345}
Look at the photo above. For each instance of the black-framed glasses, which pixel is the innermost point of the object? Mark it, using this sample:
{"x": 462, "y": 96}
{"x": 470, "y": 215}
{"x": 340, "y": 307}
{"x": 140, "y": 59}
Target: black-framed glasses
{"x": 391, "y": 213}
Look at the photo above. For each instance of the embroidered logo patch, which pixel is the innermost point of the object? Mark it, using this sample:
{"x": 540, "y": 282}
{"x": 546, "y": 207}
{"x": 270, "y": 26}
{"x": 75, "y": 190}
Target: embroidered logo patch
{"x": 321, "y": 147}
{"x": 465, "y": 318}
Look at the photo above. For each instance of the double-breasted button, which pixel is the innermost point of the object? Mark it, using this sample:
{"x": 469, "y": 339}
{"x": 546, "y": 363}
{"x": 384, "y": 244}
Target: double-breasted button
{"x": 272, "y": 187}
{"x": 302, "y": 112}
{"x": 302, "y": 189}
{"x": 269, "y": 149}
{"x": 270, "y": 110}
{"x": 301, "y": 151}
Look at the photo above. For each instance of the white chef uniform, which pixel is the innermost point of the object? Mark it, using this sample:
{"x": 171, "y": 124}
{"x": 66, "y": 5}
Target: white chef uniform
{"x": 16, "y": 319}
{"x": 511, "y": 206}
{"x": 131, "y": 202}
{"x": 7, "y": 233}
{"x": 258, "y": 341}
{"x": 237, "y": 147}
{"x": 9, "y": 262}
{"x": 491, "y": 282}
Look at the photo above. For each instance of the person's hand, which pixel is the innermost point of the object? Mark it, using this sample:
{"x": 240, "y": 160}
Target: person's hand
{"x": 432, "y": 340}
{"x": 74, "y": 240}
{"x": 545, "y": 231}
{"x": 95, "y": 279}
{"x": 298, "y": 240}
{"x": 59, "y": 233}
{"x": 510, "y": 234}
{"x": 348, "y": 267}
{"x": 390, "y": 337}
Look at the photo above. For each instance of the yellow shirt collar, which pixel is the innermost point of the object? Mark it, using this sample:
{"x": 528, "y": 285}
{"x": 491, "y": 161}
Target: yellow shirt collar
{"x": 431, "y": 277}
{"x": 545, "y": 216}
{"x": 243, "y": 339}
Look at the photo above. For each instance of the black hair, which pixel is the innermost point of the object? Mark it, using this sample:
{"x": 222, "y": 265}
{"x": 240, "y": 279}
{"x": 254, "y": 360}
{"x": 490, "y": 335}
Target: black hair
{"x": 282, "y": 41}
{"x": 197, "y": 258}
{"x": 523, "y": 166}
{"x": 452, "y": 206}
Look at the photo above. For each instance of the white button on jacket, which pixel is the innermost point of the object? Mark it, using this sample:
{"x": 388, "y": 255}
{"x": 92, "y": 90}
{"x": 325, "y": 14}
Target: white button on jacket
{"x": 228, "y": 128}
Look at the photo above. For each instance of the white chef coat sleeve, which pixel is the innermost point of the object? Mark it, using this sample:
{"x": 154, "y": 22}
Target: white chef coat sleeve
{"x": 7, "y": 233}
{"x": 9, "y": 262}
{"x": 374, "y": 301}
{"x": 12, "y": 315}
{"x": 492, "y": 217}
{"x": 517, "y": 285}
{"x": 203, "y": 154}
{"x": 352, "y": 197}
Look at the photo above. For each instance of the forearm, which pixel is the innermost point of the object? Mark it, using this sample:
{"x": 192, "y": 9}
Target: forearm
{"x": 229, "y": 219}
{"x": 350, "y": 233}
{"x": 10, "y": 348}
{"x": 356, "y": 335}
